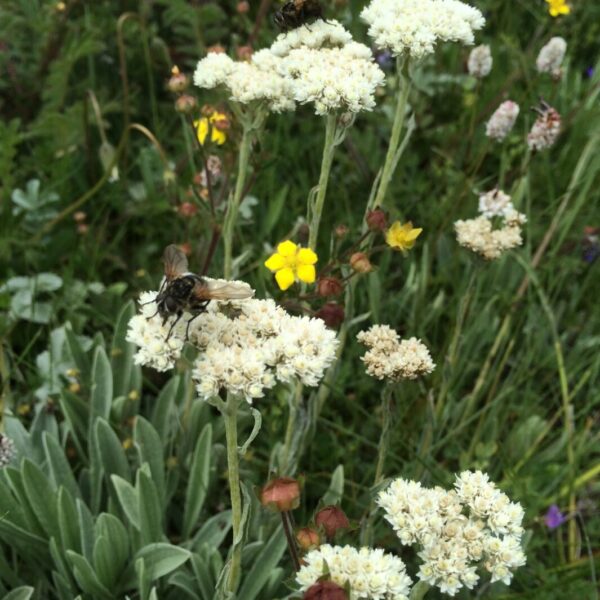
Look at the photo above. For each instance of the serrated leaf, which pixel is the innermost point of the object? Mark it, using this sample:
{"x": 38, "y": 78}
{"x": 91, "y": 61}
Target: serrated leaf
{"x": 199, "y": 478}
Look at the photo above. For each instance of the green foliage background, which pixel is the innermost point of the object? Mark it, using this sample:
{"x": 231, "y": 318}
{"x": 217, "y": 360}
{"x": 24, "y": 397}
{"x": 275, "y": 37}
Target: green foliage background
{"x": 85, "y": 514}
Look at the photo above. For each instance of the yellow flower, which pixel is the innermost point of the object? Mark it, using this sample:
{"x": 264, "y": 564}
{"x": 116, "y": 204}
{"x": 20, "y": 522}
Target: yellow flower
{"x": 558, "y": 7}
{"x": 402, "y": 237}
{"x": 291, "y": 263}
{"x": 205, "y": 124}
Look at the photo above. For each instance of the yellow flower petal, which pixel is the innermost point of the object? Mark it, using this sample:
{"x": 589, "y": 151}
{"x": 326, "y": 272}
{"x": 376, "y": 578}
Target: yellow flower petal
{"x": 307, "y": 257}
{"x": 275, "y": 262}
{"x": 287, "y": 248}
{"x": 218, "y": 136}
{"x": 414, "y": 234}
{"x": 306, "y": 273}
{"x": 285, "y": 278}
{"x": 201, "y": 129}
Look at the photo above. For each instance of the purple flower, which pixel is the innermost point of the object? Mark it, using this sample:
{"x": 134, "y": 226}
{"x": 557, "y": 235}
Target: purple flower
{"x": 554, "y": 518}
{"x": 385, "y": 59}
{"x": 589, "y": 72}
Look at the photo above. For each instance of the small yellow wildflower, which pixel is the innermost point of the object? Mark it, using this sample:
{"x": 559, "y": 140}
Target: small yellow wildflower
{"x": 558, "y": 7}
{"x": 292, "y": 263}
{"x": 127, "y": 444}
{"x": 205, "y": 124}
{"x": 402, "y": 237}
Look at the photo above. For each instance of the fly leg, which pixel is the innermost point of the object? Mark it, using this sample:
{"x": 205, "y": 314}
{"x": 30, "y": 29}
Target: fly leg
{"x": 179, "y": 315}
{"x": 201, "y": 307}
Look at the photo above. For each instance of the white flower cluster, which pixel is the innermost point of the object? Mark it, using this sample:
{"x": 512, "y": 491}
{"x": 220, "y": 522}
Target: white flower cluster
{"x": 479, "y": 235}
{"x": 480, "y": 61}
{"x": 502, "y": 121}
{"x": 458, "y": 530}
{"x": 495, "y": 203}
{"x": 320, "y": 65}
{"x": 415, "y": 26}
{"x": 389, "y": 357}
{"x": 246, "y": 346}
{"x": 247, "y": 82}
{"x": 551, "y": 56}
{"x": 545, "y": 130}
{"x": 7, "y": 450}
{"x": 370, "y": 573}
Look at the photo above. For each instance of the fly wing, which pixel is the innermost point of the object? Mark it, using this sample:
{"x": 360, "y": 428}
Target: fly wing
{"x": 223, "y": 290}
{"x": 175, "y": 261}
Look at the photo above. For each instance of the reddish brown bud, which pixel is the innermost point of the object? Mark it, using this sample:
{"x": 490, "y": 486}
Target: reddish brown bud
{"x": 243, "y": 7}
{"x": 178, "y": 82}
{"x": 187, "y": 209}
{"x": 281, "y": 494}
{"x": 245, "y": 53}
{"x": 185, "y": 104}
{"x": 216, "y": 49}
{"x": 207, "y": 110}
{"x": 222, "y": 124}
{"x": 341, "y": 231}
{"x": 331, "y": 519}
{"x": 360, "y": 262}
{"x": 308, "y": 538}
{"x": 329, "y": 286}
{"x": 333, "y": 314}
{"x": 325, "y": 590}
{"x": 377, "y": 220}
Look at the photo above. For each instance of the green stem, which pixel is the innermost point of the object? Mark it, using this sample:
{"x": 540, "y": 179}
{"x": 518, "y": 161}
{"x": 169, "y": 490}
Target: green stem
{"x": 399, "y": 118}
{"x": 229, "y": 412}
{"x": 289, "y": 454}
{"x": 384, "y": 444}
{"x": 315, "y": 211}
{"x": 419, "y": 590}
{"x": 234, "y": 205}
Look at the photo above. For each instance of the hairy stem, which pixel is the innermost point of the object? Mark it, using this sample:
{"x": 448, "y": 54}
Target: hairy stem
{"x": 316, "y": 210}
{"x": 399, "y": 118}
{"x": 234, "y": 204}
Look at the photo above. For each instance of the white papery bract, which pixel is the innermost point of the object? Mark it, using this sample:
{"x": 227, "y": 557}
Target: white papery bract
{"x": 248, "y": 82}
{"x": 545, "y": 130}
{"x": 245, "y": 346}
{"x": 479, "y": 235}
{"x": 320, "y": 34}
{"x": 480, "y": 61}
{"x": 415, "y": 26}
{"x": 502, "y": 121}
{"x": 370, "y": 573}
{"x": 457, "y": 531}
{"x": 390, "y": 358}
{"x": 551, "y": 57}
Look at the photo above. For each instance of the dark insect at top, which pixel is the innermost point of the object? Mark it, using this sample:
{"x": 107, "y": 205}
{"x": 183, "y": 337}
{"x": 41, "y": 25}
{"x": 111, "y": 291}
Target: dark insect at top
{"x": 295, "y": 13}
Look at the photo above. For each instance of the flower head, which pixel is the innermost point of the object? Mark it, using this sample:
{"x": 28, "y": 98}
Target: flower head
{"x": 551, "y": 56}
{"x": 480, "y": 61}
{"x": 554, "y": 518}
{"x": 558, "y": 7}
{"x": 415, "y": 26}
{"x": 402, "y": 236}
{"x": 7, "y": 450}
{"x": 369, "y": 572}
{"x": 211, "y": 124}
{"x": 502, "y": 121}
{"x": 292, "y": 263}
{"x": 281, "y": 494}
{"x": 545, "y": 130}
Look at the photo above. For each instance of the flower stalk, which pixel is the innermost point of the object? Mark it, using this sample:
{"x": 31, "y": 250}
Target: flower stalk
{"x": 229, "y": 411}
{"x": 419, "y": 590}
{"x": 392, "y": 156}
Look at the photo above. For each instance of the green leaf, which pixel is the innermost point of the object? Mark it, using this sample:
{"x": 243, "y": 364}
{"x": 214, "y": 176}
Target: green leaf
{"x": 122, "y": 353}
{"x": 110, "y": 449}
{"x": 197, "y": 486}
{"x": 162, "y": 559}
{"x": 149, "y": 509}
{"x": 76, "y": 413}
{"x": 150, "y": 449}
{"x": 336, "y": 488}
{"x": 60, "y": 469}
{"x": 164, "y": 405}
{"x": 105, "y": 565}
{"x": 128, "y": 498}
{"x": 86, "y": 529}
{"x": 42, "y": 497}
{"x": 263, "y": 566}
{"x": 15, "y": 481}
{"x": 68, "y": 521}
{"x": 20, "y": 593}
{"x": 79, "y": 355}
{"x": 102, "y": 386}
{"x": 213, "y": 532}
{"x": 86, "y": 577}
{"x": 112, "y": 529}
